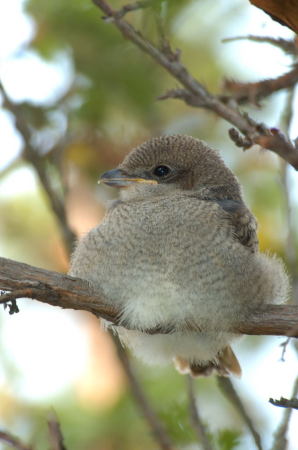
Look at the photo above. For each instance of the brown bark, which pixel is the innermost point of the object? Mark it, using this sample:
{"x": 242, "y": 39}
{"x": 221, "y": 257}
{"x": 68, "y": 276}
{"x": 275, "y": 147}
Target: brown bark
{"x": 25, "y": 281}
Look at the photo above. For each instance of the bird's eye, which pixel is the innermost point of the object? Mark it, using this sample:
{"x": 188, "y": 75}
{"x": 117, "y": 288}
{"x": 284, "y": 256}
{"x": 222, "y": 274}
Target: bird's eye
{"x": 161, "y": 171}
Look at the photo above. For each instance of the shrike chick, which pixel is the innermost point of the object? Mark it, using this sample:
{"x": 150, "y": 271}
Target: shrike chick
{"x": 179, "y": 251}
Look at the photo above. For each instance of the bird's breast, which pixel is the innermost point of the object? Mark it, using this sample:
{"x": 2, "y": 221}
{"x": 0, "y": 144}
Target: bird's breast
{"x": 161, "y": 259}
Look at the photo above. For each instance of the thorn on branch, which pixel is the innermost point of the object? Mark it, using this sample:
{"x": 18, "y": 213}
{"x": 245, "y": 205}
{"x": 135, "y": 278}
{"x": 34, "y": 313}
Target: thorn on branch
{"x": 185, "y": 95}
{"x": 174, "y": 93}
{"x": 13, "y": 307}
{"x": 35, "y": 291}
{"x": 284, "y": 346}
{"x": 285, "y": 403}
{"x": 11, "y": 304}
{"x": 172, "y": 55}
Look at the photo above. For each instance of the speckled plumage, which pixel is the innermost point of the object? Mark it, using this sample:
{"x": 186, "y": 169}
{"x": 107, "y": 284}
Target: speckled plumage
{"x": 180, "y": 252}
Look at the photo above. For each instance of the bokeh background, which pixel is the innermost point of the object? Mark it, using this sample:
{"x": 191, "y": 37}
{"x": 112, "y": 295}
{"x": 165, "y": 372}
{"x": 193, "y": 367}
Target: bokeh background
{"x": 88, "y": 97}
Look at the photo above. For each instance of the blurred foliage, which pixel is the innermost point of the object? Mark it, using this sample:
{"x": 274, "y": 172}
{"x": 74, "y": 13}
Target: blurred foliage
{"x": 109, "y": 105}
{"x": 228, "y": 439}
{"x": 99, "y": 55}
{"x": 120, "y": 426}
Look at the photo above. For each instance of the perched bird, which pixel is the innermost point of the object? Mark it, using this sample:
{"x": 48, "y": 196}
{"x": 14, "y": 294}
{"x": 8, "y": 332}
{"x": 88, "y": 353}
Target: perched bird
{"x": 179, "y": 251}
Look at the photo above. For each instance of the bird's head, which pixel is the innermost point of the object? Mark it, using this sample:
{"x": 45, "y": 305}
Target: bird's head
{"x": 171, "y": 163}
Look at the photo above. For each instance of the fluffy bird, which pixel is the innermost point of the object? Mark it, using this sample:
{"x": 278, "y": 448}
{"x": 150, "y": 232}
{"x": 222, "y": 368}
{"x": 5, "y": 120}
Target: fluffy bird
{"x": 179, "y": 252}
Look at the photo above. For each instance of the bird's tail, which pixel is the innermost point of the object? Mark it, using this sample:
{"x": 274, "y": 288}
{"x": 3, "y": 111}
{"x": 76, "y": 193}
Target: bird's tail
{"x": 225, "y": 364}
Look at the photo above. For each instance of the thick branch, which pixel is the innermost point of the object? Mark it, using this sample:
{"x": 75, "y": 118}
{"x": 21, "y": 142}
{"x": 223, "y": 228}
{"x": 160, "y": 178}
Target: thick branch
{"x": 73, "y": 293}
{"x": 195, "y": 94}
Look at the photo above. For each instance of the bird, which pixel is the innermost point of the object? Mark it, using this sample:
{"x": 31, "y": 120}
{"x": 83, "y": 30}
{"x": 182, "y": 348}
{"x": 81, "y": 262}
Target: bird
{"x": 177, "y": 256}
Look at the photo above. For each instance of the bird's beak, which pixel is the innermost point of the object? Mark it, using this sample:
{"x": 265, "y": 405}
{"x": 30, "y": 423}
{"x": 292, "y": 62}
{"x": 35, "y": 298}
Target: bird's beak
{"x": 118, "y": 178}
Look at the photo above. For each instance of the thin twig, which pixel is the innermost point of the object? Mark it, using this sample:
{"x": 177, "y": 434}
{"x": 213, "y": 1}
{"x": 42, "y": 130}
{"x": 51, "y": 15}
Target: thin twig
{"x": 287, "y": 45}
{"x": 284, "y": 346}
{"x": 13, "y": 441}
{"x": 195, "y": 94}
{"x": 158, "y": 431}
{"x": 280, "y": 440}
{"x": 197, "y": 423}
{"x": 231, "y": 394}
{"x": 285, "y": 402}
{"x": 253, "y": 92}
{"x": 56, "y": 437}
{"x": 132, "y": 7}
{"x": 40, "y": 165}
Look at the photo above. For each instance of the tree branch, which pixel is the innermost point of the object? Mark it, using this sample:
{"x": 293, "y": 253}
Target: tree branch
{"x": 195, "y": 94}
{"x": 196, "y": 420}
{"x": 55, "y": 433}
{"x": 56, "y": 289}
{"x": 253, "y": 92}
{"x": 280, "y": 441}
{"x": 156, "y": 426}
{"x": 13, "y": 442}
{"x": 285, "y": 402}
{"x": 227, "y": 388}
{"x": 287, "y": 45}
{"x": 39, "y": 163}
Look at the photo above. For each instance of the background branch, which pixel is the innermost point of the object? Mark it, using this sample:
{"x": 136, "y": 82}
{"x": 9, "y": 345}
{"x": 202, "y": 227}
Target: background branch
{"x": 227, "y": 388}
{"x": 39, "y": 164}
{"x": 195, "y": 94}
{"x": 155, "y": 424}
{"x": 55, "y": 433}
{"x": 280, "y": 440}
{"x": 13, "y": 442}
{"x": 287, "y": 45}
{"x": 195, "y": 417}
{"x": 253, "y": 92}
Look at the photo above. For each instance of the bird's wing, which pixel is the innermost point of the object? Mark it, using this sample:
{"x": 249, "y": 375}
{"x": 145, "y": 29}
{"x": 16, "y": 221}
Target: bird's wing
{"x": 243, "y": 222}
